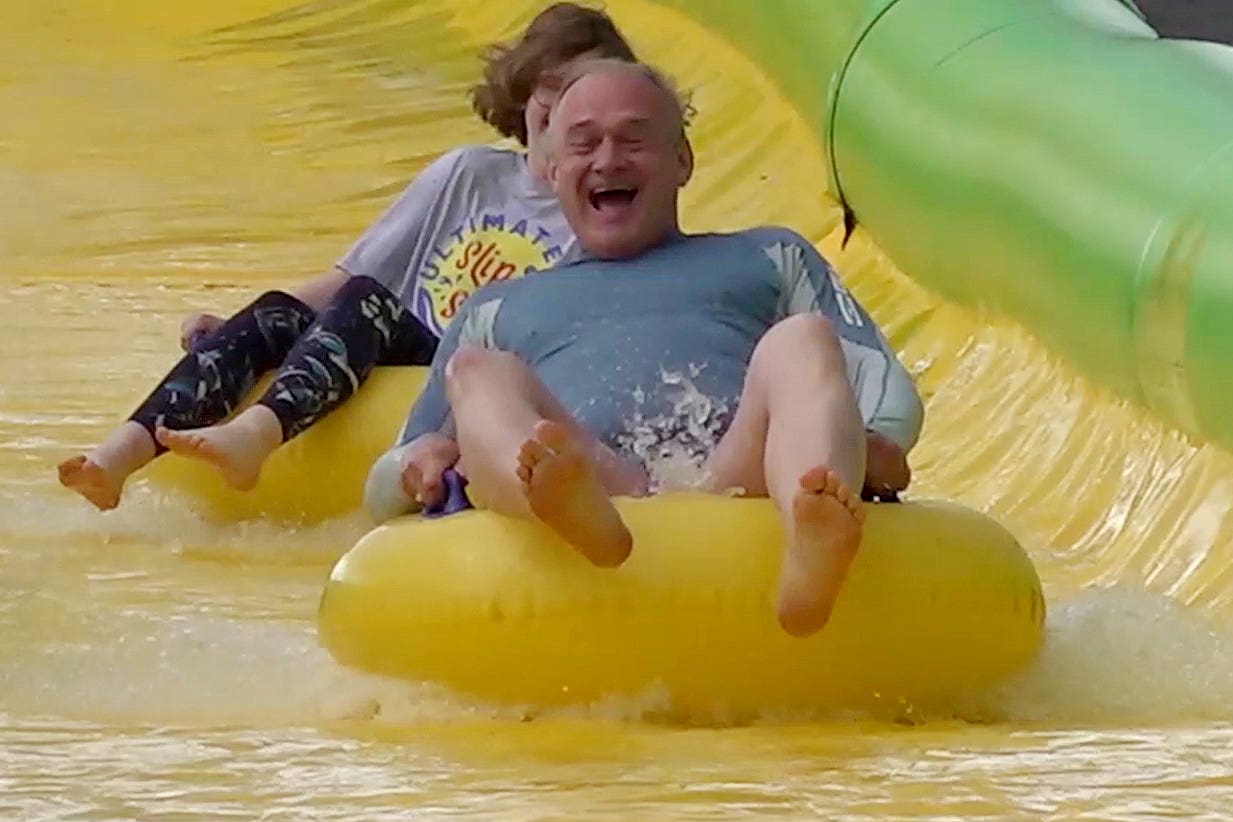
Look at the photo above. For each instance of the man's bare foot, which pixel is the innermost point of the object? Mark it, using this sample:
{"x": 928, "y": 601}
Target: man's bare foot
{"x": 94, "y": 482}
{"x": 823, "y": 535}
{"x": 563, "y": 490}
{"x": 237, "y": 449}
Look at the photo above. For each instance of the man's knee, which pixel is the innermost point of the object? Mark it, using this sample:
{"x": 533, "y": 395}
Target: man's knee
{"x": 812, "y": 326}
{"x": 470, "y": 365}
{"x": 797, "y": 334}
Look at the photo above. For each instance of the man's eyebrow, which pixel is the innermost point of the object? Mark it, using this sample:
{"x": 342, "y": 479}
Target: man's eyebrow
{"x": 578, "y": 126}
{"x": 638, "y": 122}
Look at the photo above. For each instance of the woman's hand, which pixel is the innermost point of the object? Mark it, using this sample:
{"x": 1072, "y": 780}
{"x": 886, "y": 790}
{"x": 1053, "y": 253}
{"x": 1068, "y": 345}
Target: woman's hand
{"x": 423, "y": 463}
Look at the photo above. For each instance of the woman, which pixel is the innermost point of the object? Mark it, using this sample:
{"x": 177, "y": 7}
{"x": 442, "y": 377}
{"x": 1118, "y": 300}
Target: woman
{"x": 475, "y": 215}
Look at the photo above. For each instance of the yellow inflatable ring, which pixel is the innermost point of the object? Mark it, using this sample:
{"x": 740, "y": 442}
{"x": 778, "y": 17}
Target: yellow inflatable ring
{"x": 941, "y": 600}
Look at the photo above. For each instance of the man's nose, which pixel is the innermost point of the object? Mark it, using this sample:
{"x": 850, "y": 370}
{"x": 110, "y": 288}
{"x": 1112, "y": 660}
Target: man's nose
{"x": 608, "y": 155}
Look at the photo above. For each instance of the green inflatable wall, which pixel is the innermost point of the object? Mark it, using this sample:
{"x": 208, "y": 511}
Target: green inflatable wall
{"x": 1051, "y": 160}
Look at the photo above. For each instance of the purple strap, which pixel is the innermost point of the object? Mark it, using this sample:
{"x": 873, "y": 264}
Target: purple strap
{"x": 455, "y": 496}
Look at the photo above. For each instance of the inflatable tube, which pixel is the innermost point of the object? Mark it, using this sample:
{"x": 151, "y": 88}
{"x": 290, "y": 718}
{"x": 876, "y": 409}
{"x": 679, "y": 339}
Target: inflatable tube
{"x": 940, "y": 600}
{"x": 319, "y": 474}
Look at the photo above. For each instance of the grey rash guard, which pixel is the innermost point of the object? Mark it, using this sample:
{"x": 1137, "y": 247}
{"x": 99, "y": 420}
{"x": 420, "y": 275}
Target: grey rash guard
{"x": 602, "y": 335}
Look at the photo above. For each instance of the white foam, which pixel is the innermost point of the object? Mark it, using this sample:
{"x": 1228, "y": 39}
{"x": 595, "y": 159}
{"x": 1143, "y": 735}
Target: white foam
{"x": 1120, "y": 655}
{"x": 675, "y": 459}
{"x": 153, "y": 516}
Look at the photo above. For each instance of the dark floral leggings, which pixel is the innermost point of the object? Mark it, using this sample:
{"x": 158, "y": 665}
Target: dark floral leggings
{"x": 321, "y": 359}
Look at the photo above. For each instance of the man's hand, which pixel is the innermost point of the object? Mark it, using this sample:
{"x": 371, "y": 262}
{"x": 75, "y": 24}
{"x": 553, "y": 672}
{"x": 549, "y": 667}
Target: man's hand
{"x": 197, "y": 324}
{"x": 886, "y": 466}
{"x": 423, "y": 463}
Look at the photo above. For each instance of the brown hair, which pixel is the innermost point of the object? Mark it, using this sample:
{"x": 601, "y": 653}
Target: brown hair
{"x": 557, "y": 35}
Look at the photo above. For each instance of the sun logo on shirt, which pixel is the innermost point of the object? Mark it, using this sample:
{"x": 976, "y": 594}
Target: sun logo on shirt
{"x": 484, "y": 251}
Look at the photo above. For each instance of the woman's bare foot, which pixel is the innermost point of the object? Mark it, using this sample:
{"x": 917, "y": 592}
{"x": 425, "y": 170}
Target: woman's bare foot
{"x": 823, "y": 535}
{"x": 100, "y": 475}
{"x": 94, "y": 482}
{"x": 564, "y": 491}
{"x": 237, "y": 448}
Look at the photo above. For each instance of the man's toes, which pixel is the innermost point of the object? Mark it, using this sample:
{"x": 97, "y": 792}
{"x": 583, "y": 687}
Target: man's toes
{"x": 815, "y": 480}
{"x": 532, "y": 452}
{"x": 553, "y": 436}
{"x": 833, "y": 484}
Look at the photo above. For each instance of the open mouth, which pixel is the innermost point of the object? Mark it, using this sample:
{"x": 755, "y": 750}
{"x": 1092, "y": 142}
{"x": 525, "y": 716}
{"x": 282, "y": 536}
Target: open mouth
{"x": 614, "y": 199}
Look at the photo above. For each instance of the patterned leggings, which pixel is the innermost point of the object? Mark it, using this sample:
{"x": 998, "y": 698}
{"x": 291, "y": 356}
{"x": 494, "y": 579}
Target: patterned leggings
{"x": 321, "y": 359}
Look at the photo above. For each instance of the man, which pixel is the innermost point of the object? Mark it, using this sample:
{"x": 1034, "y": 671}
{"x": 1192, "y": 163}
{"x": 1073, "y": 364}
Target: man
{"x": 535, "y": 386}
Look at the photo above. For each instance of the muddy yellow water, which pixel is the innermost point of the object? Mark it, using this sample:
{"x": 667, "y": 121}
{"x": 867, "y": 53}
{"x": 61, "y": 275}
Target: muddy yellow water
{"x": 158, "y": 158}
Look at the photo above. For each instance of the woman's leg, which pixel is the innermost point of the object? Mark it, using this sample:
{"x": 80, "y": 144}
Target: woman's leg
{"x": 202, "y": 388}
{"x": 798, "y": 438}
{"x": 362, "y": 326}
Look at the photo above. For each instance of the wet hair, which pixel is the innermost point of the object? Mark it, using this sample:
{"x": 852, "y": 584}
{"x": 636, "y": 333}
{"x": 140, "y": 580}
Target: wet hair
{"x": 560, "y": 33}
{"x": 678, "y": 103}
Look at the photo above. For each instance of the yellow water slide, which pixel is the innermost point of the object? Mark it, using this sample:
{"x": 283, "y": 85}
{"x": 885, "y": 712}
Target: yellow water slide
{"x": 218, "y": 150}
{"x": 158, "y": 158}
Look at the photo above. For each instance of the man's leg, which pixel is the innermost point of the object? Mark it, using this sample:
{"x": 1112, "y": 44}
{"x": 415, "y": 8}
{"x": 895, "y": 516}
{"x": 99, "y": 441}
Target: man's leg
{"x": 202, "y": 388}
{"x": 798, "y": 437}
{"x": 525, "y": 456}
{"x": 363, "y": 325}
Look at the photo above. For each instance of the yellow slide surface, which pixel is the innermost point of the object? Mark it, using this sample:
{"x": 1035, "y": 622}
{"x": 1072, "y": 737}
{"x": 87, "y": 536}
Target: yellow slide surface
{"x": 161, "y": 158}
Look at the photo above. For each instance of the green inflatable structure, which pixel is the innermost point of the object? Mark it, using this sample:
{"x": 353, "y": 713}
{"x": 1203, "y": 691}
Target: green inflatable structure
{"x": 1054, "y": 161}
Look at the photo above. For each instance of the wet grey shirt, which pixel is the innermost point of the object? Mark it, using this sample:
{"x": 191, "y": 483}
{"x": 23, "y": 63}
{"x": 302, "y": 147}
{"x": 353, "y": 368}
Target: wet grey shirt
{"x": 475, "y": 216}
{"x": 625, "y": 345}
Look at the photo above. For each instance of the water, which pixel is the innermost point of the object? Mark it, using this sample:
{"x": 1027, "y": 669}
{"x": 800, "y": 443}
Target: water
{"x": 673, "y": 446}
{"x": 158, "y": 159}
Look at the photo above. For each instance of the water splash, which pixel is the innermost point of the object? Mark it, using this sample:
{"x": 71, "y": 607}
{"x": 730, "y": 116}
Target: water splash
{"x": 154, "y": 516}
{"x": 1115, "y": 655}
{"x": 674, "y": 445}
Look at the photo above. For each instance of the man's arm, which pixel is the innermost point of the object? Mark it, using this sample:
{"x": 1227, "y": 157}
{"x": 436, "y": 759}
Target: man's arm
{"x": 431, "y": 411}
{"x": 409, "y": 477}
{"x": 427, "y": 441}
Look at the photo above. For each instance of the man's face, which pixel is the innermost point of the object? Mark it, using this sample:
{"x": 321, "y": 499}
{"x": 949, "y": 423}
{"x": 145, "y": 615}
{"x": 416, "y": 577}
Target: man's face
{"x": 617, "y": 161}
{"x": 544, "y": 97}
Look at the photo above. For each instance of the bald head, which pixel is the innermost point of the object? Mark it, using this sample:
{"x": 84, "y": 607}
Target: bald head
{"x": 618, "y": 156}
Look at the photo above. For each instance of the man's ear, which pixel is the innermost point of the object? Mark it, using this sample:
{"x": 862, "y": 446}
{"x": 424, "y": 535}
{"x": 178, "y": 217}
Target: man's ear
{"x": 685, "y": 160}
